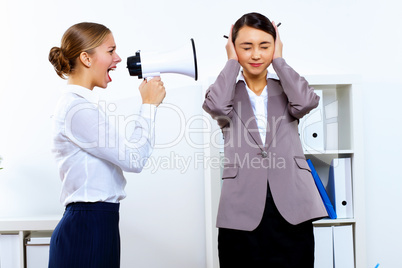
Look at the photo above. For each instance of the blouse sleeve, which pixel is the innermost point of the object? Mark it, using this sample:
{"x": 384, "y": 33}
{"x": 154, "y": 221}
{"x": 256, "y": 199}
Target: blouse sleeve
{"x": 110, "y": 139}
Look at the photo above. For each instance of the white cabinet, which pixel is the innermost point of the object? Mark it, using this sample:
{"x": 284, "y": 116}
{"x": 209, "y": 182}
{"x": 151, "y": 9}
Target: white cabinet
{"x": 342, "y": 125}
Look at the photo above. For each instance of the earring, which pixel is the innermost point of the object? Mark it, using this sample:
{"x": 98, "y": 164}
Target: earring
{"x": 89, "y": 64}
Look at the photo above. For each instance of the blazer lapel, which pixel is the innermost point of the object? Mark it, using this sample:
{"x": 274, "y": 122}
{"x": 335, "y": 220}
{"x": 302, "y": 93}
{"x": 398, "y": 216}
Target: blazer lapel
{"x": 245, "y": 111}
{"x": 277, "y": 104}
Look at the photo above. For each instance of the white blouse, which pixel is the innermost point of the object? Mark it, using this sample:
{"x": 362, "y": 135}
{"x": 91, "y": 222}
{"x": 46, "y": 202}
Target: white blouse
{"x": 259, "y": 105}
{"x": 90, "y": 151}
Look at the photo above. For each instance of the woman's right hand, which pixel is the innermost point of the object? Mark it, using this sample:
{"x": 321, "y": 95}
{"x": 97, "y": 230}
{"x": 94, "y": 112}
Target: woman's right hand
{"x": 278, "y": 43}
{"x": 230, "y": 48}
{"x": 152, "y": 91}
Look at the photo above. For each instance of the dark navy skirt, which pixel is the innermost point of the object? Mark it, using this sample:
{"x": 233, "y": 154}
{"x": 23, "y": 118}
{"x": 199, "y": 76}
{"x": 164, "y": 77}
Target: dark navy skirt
{"x": 87, "y": 236}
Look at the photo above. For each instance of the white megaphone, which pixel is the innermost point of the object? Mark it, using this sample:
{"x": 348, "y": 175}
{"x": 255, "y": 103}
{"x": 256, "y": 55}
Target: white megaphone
{"x": 149, "y": 64}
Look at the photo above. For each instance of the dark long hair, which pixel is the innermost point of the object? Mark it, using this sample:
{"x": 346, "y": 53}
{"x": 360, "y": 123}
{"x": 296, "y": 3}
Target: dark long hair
{"x": 254, "y": 20}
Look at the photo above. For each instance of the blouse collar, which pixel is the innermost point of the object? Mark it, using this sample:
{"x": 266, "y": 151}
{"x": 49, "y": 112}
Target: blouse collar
{"x": 264, "y": 93}
{"x": 240, "y": 76}
{"x": 84, "y": 92}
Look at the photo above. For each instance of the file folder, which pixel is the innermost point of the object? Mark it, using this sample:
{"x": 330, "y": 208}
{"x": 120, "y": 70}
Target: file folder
{"x": 332, "y": 136}
{"x": 323, "y": 250}
{"x": 340, "y": 187}
{"x": 343, "y": 246}
{"x": 331, "y": 124}
{"x": 323, "y": 193}
{"x": 311, "y": 128}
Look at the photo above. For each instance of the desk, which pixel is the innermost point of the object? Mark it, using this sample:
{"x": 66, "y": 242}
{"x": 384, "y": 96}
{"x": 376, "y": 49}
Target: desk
{"x": 20, "y": 228}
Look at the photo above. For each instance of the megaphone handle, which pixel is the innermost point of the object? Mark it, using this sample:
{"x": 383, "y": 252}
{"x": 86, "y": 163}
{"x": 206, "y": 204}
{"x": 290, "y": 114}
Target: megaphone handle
{"x": 149, "y": 76}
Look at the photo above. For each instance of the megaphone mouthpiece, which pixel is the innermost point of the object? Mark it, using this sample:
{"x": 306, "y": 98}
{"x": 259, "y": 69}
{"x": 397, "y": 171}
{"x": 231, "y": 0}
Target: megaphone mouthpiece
{"x": 134, "y": 65}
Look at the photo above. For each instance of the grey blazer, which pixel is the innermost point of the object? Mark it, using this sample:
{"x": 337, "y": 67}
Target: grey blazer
{"x": 248, "y": 164}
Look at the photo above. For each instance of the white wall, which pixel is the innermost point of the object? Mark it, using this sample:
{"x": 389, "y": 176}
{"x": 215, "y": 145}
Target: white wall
{"x": 162, "y": 219}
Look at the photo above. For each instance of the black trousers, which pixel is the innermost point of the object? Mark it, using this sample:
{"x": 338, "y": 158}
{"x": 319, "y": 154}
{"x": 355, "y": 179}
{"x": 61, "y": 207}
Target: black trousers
{"x": 86, "y": 237}
{"x": 274, "y": 243}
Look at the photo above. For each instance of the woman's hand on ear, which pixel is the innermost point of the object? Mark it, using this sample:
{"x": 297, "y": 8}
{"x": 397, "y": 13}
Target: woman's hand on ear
{"x": 230, "y": 48}
{"x": 278, "y": 43}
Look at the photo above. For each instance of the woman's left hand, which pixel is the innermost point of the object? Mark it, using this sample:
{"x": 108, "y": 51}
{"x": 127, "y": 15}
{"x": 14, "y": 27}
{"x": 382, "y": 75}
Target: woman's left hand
{"x": 278, "y": 43}
{"x": 230, "y": 48}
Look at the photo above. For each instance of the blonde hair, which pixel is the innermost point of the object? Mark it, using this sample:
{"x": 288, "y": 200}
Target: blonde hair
{"x": 81, "y": 37}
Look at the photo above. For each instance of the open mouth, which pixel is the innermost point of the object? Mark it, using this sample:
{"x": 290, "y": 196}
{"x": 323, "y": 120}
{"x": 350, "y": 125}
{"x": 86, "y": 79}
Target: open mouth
{"x": 110, "y": 69}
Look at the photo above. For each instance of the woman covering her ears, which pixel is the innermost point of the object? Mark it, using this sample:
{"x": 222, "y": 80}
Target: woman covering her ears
{"x": 268, "y": 197}
{"x": 90, "y": 153}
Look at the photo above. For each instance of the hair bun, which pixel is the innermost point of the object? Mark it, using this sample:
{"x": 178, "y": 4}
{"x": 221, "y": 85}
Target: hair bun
{"x": 59, "y": 62}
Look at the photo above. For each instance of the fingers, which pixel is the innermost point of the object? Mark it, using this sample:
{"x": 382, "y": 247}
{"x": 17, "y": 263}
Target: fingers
{"x": 276, "y": 28}
{"x": 230, "y": 33}
{"x": 144, "y": 81}
{"x": 153, "y": 80}
{"x": 278, "y": 43}
{"x": 152, "y": 91}
{"x": 160, "y": 92}
{"x": 230, "y": 48}
{"x": 157, "y": 80}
